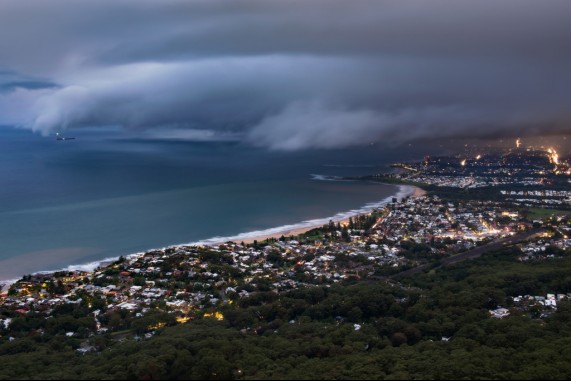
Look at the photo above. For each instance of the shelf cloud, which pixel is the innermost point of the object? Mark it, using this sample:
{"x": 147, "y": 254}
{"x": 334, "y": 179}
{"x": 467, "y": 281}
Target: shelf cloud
{"x": 291, "y": 74}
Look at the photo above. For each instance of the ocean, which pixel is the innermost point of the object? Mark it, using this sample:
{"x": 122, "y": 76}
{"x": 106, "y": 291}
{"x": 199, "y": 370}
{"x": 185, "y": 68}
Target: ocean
{"x": 109, "y": 193}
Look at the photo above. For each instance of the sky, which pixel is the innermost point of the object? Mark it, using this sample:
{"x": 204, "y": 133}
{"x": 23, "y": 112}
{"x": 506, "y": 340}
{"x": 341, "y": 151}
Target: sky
{"x": 286, "y": 74}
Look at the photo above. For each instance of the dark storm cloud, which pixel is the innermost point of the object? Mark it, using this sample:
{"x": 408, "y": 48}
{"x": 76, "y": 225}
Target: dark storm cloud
{"x": 292, "y": 74}
{"x": 10, "y": 81}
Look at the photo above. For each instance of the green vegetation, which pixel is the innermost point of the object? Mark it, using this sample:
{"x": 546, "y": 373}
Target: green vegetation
{"x": 434, "y": 325}
{"x": 539, "y": 213}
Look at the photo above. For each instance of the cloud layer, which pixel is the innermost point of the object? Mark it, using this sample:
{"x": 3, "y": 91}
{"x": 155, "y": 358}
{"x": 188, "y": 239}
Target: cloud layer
{"x": 288, "y": 74}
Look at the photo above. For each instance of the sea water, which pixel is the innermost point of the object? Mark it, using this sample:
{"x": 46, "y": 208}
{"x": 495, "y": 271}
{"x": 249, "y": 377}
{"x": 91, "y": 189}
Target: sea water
{"x": 108, "y": 193}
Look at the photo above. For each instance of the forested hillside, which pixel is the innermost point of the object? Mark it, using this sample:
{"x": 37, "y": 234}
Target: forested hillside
{"x": 435, "y": 325}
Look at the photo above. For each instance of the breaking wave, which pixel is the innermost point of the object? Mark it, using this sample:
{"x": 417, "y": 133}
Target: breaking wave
{"x": 318, "y": 177}
{"x": 404, "y": 191}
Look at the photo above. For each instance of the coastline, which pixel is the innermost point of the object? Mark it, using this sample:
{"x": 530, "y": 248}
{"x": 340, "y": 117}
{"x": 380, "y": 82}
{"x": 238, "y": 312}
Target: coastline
{"x": 250, "y": 237}
{"x": 412, "y": 191}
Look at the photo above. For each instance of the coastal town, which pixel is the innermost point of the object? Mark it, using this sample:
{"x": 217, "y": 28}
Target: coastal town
{"x": 525, "y": 176}
{"x": 285, "y": 190}
{"x": 141, "y": 293}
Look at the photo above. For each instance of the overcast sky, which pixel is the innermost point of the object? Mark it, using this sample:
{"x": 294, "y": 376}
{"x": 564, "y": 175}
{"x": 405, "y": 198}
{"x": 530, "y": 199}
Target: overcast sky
{"x": 288, "y": 74}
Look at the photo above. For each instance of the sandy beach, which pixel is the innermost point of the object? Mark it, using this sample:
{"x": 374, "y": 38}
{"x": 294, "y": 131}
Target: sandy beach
{"x": 286, "y": 233}
{"x": 293, "y": 230}
{"x": 412, "y": 191}
{"x": 418, "y": 192}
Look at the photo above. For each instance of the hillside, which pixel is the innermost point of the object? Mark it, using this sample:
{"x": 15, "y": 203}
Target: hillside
{"x": 432, "y": 325}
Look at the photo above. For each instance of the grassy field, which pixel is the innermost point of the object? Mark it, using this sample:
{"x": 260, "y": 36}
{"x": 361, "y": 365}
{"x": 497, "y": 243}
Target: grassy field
{"x": 535, "y": 213}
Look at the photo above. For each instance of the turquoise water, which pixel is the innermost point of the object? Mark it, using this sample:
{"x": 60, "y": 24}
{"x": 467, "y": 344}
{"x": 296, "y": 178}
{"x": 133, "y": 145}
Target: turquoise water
{"x": 104, "y": 194}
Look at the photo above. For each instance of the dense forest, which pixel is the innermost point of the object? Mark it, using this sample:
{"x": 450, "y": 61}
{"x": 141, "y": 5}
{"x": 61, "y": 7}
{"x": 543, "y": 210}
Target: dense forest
{"x": 434, "y": 325}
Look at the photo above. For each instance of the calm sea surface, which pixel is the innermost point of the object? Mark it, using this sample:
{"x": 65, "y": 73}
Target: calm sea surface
{"x": 105, "y": 194}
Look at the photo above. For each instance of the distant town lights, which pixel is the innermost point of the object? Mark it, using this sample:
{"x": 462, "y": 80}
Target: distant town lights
{"x": 553, "y": 156}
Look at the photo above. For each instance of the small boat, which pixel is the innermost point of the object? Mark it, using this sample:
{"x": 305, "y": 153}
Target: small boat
{"x": 62, "y": 138}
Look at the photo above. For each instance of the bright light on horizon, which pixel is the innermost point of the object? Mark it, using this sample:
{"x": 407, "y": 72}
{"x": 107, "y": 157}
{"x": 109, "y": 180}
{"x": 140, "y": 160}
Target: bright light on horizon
{"x": 553, "y": 156}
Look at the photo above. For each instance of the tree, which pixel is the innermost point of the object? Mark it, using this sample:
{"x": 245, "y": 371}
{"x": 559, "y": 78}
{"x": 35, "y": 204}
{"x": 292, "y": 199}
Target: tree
{"x": 398, "y": 339}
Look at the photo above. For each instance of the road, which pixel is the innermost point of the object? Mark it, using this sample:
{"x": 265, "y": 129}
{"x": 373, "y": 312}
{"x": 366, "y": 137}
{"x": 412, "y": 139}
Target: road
{"x": 475, "y": 253}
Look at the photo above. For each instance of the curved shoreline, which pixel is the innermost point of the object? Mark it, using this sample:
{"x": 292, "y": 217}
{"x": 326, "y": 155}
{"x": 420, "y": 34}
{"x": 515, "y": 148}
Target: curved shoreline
{"x": 249, "y": 237}
{"x": 302, "y": 227}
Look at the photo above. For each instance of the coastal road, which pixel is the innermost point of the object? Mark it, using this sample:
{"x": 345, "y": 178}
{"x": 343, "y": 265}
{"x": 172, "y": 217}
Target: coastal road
{"x": 475, "y": 253}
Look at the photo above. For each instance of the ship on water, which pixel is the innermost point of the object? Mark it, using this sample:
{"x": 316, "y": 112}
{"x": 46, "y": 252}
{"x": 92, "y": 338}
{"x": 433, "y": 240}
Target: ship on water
{"x": 63, "y": 138}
